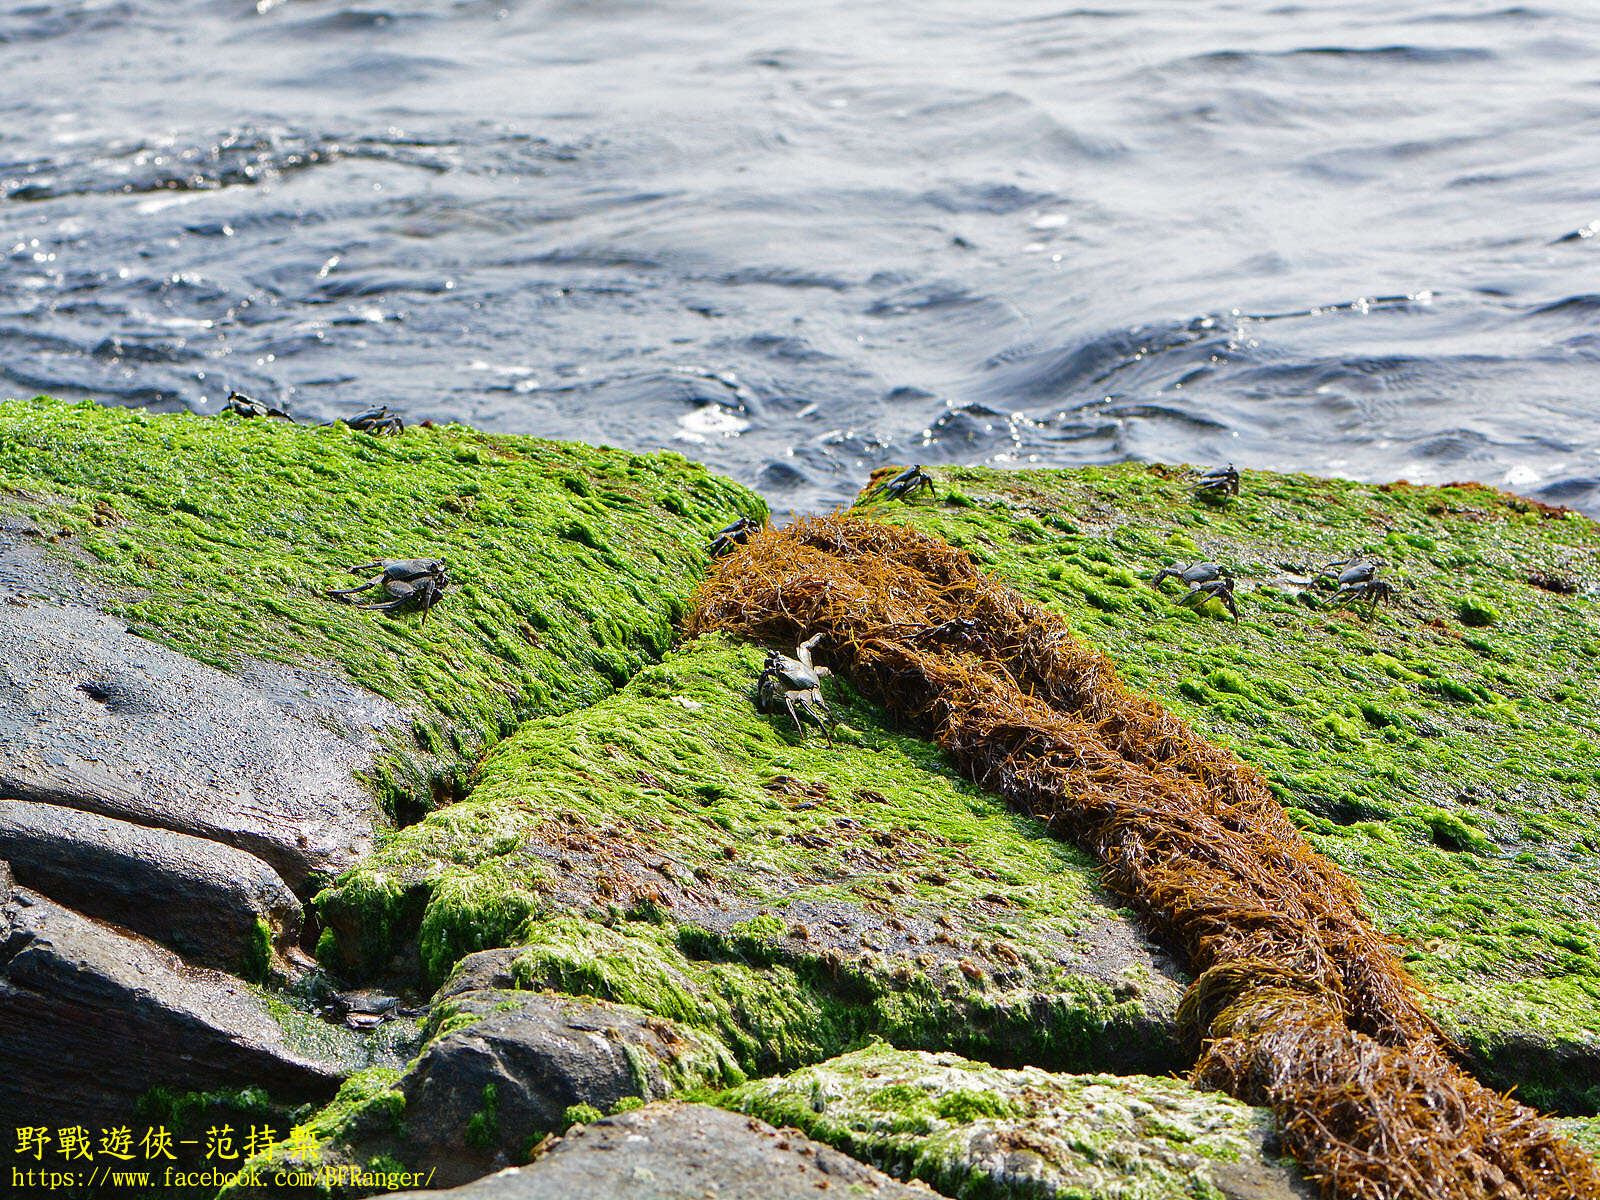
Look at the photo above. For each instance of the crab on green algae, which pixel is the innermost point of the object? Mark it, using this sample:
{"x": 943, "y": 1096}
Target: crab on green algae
{"x": 218, "y": 537}
{"x": 1443, "y": 752}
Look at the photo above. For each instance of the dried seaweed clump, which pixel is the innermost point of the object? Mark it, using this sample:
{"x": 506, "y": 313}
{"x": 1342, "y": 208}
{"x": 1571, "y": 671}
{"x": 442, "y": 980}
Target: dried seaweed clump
{"x": 1300, "y": 1003}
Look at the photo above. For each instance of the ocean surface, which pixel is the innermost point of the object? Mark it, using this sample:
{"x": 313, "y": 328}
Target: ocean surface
{"x": 800, "y": 241}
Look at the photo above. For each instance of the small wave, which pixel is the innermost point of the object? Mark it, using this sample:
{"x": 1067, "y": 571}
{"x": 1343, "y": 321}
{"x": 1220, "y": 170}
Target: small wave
{"x": 124, "y": 348}
{"x": 970, "y": 427}
{"x": 1518, "y": 13}
{"x": 781, "y": 476}
{"x": 1570, "y": 306}
{"x": 1579, "y": 490}
{"x": 992, "y": 198}
{"x": 1091, "y": 365}
{"x": 1453, "y": 445}
{"x": 926, "y": 298}
{"x": 1234, "y": 63}
{"x": 1165, "y": 412}
{"x": 350, "y": 20}
{"x": 356, "y": 286}
{"x": 209, "y": 163}
{"x": 1583, "y": 234}
{"x": 1404, "y": 54}
{"x": 44, "y": 22}
{"x": 785, "y": 349}
{"x": 784, "y": 277}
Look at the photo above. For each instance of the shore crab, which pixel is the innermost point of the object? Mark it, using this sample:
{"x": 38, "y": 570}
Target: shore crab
{"x": 241, "y": 405}
{"x": 1216, "y": 481}
{"x": 406, "y": 581}
{"x": 1200, "y": 572}
{"x": 376, "y": 421}
{"x": 904, "y": 485}
{"x": 1358, "y": 568}
{"x": 1371, "y": 589}
{"x": 735, "y": 533}
{"x": 798, "y": 684}
{"x": 1206, "y": 580}
{"x": 1215, "y": 589}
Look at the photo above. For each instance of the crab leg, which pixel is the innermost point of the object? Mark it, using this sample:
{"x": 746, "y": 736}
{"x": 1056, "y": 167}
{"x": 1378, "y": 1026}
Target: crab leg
{"x": 360, "y": 587}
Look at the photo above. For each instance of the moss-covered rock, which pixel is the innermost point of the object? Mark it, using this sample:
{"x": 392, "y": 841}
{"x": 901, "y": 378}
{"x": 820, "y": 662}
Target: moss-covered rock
{"x": 173, "y": 660}
{"x": 1444, "y": 750}
{"x": 973, "y": 1130}
{"x": 672, "y": 848}
{"x": 312, "y": 1157}
{"x": 219, "y": 537}
{"x": 501, "y": 1072}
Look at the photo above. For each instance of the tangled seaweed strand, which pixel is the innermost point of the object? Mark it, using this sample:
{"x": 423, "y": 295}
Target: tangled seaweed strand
{"x": 1300, "y": 1003}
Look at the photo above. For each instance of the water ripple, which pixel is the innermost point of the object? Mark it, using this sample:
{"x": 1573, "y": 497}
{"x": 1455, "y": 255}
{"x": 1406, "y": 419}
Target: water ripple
{"x": 801, "y": 242}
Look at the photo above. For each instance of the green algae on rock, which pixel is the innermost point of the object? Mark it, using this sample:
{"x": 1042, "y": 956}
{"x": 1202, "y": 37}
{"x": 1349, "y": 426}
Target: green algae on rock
{"x": 1448, "y": 762}
{"x": 218, "y": 537}
{"x": 970, "y": 1129}
{"x": 671, "y": 848}
{"x": 503, "y": 1070}
{"x": 366, "y": 1107}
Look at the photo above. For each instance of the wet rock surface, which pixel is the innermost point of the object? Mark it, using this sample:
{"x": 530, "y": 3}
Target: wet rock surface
{"x": 95, "y": 1016}
{"x": 673, "y": 1151}
{"x": 218, "y": 906}
{"x": 95, "y": 718}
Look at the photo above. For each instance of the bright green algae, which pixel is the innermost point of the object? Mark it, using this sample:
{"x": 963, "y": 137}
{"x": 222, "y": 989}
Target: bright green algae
{"x": 1445, "y": 752}
{"x": 672, "y": 848}
{"x": 975, "y": 1131}
{"x": 218, "y": 537}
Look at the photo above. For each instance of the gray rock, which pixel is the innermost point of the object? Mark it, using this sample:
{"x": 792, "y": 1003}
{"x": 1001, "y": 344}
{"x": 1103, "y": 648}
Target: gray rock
{"x": 679, "y": 1151}
{"x": 480, "y": 971}
{"x": 95, "y": 718}
{"x": 482, "y": 1095}
{"x": 94, "y": 1017}
{"x": 198, "y": 897}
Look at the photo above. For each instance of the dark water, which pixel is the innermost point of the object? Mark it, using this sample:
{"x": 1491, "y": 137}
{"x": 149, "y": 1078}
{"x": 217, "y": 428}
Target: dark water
{"x": 801, "y": 240}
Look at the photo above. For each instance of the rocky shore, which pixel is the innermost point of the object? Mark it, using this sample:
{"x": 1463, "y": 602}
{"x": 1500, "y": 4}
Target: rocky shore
{"x": 535, "y": 878}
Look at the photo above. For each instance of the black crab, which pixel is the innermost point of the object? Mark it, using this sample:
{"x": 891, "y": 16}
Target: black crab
{"x": 406, "y": 581}
{"x": 1206, "y": 580}
{"x": 904, "y": 485}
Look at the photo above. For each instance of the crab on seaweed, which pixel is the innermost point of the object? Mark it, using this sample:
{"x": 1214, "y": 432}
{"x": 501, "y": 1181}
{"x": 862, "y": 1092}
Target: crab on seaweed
{"x": 734, "y": 533}
{"x": 377, "y": 421}
{"x": 1373, "y": 590}
{"x": 405, "y": 581}
{"x": 904, "y": 485}
{"x": 1357, "y": 580}
{"x": 244, "y": 406}
{"x": 797, "y": 682}
{"x": 1206, "y": 580}
{"x": 1359, "y": 567}
{"x": 1216, "y": 481}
